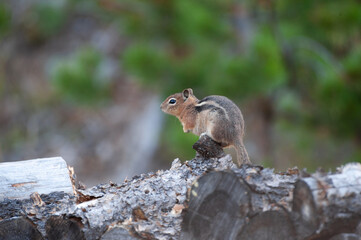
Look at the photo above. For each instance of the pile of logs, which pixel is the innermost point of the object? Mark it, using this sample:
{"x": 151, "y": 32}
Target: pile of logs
{"x": 198, "y": 199}
{"x": 255, "y": 203}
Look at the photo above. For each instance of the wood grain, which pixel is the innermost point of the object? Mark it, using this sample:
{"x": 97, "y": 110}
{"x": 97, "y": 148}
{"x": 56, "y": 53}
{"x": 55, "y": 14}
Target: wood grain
{"x": 45, "y": 175}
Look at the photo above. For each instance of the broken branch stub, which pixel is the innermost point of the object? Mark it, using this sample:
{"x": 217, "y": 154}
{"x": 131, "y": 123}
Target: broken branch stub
{"x": 208, "y": 148}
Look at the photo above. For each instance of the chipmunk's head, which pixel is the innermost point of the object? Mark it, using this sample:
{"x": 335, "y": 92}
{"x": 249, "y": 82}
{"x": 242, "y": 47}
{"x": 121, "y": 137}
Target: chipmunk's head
{"x": 175, "y": 104}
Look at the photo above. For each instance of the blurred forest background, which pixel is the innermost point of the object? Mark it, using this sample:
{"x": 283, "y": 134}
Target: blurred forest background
{"x": 84, "y": 80}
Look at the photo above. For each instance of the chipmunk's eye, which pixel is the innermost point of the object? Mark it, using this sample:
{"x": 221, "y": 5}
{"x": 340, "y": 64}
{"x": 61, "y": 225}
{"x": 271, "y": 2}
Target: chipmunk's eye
{"x": 172, "y": 101}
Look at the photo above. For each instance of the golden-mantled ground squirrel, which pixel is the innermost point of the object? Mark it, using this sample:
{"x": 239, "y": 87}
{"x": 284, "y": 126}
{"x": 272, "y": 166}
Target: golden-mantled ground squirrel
{"x": 216, "y": 116}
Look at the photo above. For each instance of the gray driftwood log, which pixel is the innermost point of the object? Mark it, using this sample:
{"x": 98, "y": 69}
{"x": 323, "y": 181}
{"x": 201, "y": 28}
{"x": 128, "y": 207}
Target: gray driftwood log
{"x": 20, "y": 179}
{"x": 199, "y": 199}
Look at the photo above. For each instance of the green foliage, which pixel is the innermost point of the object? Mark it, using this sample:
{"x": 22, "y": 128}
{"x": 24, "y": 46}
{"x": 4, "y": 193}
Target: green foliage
{"x": 206, "y": 67}
{"x": 49, "y": 19}
{"x": 356, "y": 157}
{"x": 338, "y": 22}
{"x": 191, "y": 50}
{"x": 352, "y": 66}
{"x": 260, "y": 72}
{"x": 198, "y": 22}
{"x": 145, "y": 61}
{"x": 44, "y": 20}
{"x": 5, "y": 19}
{"x": 179, "y": 42}
{"x": 178, "y": 142}
{"x": 340, "y": 102}
{"x": 78, "y": 78}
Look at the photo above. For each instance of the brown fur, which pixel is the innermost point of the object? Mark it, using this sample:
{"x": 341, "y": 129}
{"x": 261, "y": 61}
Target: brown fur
{"x": 216, "y": 116}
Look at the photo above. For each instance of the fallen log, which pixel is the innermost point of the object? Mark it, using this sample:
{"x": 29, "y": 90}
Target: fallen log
{"x": 20, "y": 179}
{"x": 148, "y": 206}
{"x": 268, "y": 225}
{"x": 199, "y": 199}
{"x": 217, "y": 208}
{"x": 323, "y": 206}
{"x": 328, "y": 204}
{"x": 19, "y": 228}
{"x": 249, "y": 205}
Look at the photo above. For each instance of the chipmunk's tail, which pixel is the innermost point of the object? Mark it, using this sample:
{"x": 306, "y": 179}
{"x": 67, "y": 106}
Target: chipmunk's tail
{"x": 242, "y": 155}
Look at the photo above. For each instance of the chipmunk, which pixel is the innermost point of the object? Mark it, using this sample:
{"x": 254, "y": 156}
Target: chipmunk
{"x": 216, "y": 116}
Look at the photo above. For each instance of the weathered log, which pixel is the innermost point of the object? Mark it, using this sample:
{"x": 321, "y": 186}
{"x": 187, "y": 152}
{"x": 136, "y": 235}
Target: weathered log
{"x": 269, "y": 225}
{"x": 269, "y": 190}
{"x": 18, "y": 228}
{"x": 327, "y": 204}
{"x": 320, "y": 209}
{"x": 20, "y": 179}
{"x": 222, "y": 203}
{"x": 148, "y": 206}
{"x": 225, "y": 202}
{"x": 116, "y": 233}
{"x": 218, "y": 205}
{"x": 58, "y": 227}
{"x": 304, "y": 210}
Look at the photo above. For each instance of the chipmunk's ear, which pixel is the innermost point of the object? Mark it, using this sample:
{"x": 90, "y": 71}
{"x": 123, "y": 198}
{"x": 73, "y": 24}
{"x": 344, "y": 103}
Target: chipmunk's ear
{"x": 186, "y": 93}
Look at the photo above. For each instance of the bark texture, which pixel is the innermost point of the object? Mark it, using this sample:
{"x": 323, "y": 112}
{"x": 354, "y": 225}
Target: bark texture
{"x": 198, "y": 199}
